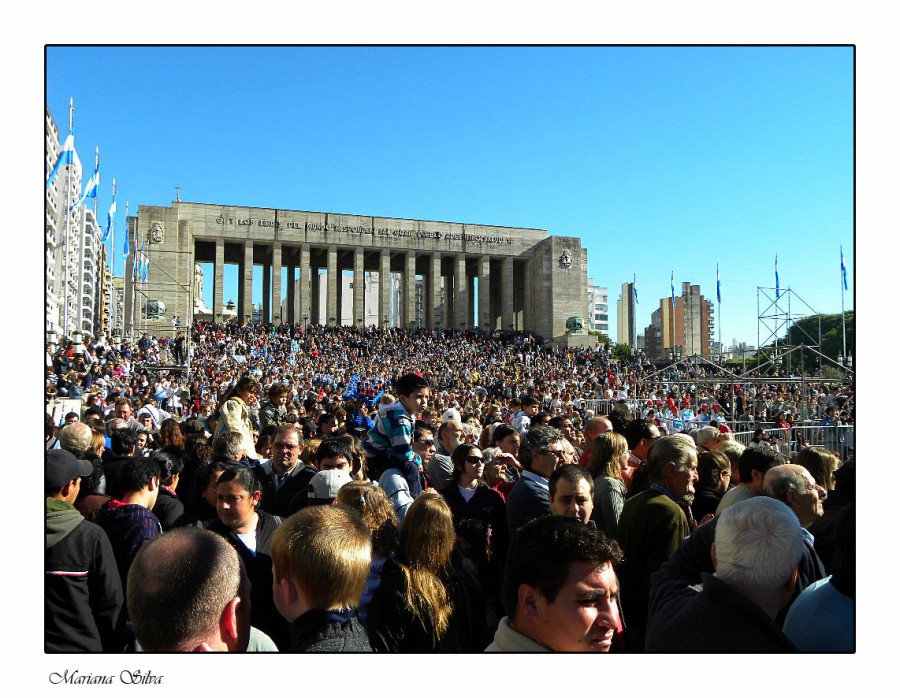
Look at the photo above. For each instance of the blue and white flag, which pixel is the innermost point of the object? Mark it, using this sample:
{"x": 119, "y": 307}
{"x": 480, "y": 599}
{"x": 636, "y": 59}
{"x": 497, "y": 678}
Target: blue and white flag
{"x": 90, "y": 191}
{"x": 777, "y": 285}
{"x": 718, "y": 285}
{"x": 672, "y": 282}
{"x": 146, "y": 269}
{"x": 134, "y": 267}
{"x": 66, "y": 157}
{"x": 843, "y": 268}
{"x": 634, "y": 288}
{"x": 110, "y": 220}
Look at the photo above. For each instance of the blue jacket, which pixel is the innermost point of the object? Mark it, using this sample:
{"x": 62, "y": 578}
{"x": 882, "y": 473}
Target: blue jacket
{"x": 527, "y": 500}
{"x": 388, "y": 444}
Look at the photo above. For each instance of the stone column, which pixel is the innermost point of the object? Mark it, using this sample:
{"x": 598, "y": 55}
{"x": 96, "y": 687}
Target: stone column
{"x": 409, "y": 291}
{"x": 359, "y": 288}
{"x": 267, "y": 293}
{"x": 246, "y": 309}
{"x": 534, "y": 278}
{"x": 291, "y": 293}
{"x": 484, "y": 294}
{"x": 432, "y": 287}
{"x": 219, "y": 280}
{"x": 331, "y": 309}
{"x": 506, "y": 294}
{"x": 461, "y": 289}
{"x": 384, "y": 288}
{"x": 303, "y": 287}
{"x": 276, "y": 283}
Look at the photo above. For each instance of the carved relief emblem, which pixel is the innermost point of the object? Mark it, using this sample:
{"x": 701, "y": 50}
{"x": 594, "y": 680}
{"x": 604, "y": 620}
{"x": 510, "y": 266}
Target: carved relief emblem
{"x": 565, "y": 260}
{"x": 156, "y": 232}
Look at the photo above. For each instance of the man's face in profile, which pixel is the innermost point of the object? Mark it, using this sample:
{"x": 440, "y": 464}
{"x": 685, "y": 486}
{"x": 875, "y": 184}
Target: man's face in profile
{"x": 584, "y": 615}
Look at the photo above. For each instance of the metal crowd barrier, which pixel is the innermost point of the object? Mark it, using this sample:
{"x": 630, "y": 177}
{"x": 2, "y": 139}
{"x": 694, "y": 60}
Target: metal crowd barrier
{"x": 835, "y": 438}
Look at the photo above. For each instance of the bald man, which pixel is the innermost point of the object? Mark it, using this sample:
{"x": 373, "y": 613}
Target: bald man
{"x": 188, "y": 592}
{"x": 794, "y": 485}
{"x": 594, "y": 427}
{"x": 75, "y": 438}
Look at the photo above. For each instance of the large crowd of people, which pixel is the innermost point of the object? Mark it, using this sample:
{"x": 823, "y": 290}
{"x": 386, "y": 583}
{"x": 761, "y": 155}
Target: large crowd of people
{"x": 397, "y": 490}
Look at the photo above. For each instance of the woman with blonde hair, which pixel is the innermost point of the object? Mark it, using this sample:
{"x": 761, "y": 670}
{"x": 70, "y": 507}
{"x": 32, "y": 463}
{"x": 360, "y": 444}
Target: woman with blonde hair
{"x": 609, "y": 455}
{"x": 411, "y": 609}
{"x": 377, "y": 512}
{"x": 820, "y": 463}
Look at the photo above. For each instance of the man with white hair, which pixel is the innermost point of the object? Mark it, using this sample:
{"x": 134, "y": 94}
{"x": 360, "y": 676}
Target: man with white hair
{"x": 708, "y": 438}
{"x": 756, "y": 554}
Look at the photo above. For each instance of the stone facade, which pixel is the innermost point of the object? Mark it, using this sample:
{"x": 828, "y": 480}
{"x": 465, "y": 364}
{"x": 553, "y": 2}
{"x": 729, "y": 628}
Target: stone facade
{"x": 527, "y": 280}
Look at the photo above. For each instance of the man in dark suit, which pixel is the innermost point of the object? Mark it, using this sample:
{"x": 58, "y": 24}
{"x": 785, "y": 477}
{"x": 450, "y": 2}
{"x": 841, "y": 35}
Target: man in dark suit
{"x": 652, "y": 526}
{"x": 285, "y": 475}
{"x": 541, "y": 453}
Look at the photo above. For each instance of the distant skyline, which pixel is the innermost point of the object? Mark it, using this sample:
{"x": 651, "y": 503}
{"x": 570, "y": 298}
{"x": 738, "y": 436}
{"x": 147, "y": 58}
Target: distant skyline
{"x": 662, "y": 159}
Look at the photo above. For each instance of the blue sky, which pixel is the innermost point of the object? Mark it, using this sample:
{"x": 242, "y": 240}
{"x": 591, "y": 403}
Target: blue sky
{"x": 660, "y": 159}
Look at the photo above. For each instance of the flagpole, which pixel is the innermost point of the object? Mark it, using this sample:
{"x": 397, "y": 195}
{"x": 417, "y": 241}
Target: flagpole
{"x": 113, "y": 315}
{"x": 843, "y": 316}
{"x": 719, "y": 310}
{"x": 68, "y": 215}
{"x": 98, "y": 292}
{"x": 125, "y": 271}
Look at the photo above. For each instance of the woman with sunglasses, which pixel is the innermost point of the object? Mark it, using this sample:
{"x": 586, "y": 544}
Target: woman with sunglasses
{"x": 469, "y": 497}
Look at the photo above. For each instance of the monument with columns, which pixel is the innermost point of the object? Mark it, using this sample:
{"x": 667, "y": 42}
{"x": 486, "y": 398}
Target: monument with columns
{"x": 523, "y": 278}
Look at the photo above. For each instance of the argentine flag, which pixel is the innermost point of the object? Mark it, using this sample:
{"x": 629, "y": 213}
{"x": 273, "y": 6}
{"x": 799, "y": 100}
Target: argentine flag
{"x": 146, "y": 270}
{"x": 777, "y": 286}
{"x": 672, "y": 283}
{"x": 634, "y": 288}
{"x": 110, "y": 219}
{"x": 90, "y": 191}
{"x": 718, "y": 285}
{"x": 66, "y": 157}
{"x": 843, "y": 268}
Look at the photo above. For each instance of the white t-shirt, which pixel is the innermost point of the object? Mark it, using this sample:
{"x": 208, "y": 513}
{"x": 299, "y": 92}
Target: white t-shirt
{"x": 248, "y": 539}
{"x": 467, "y": 494}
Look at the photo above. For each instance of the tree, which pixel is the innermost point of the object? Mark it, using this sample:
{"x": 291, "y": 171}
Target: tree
{"x": 622, "y": 352}
{"x": 601, "y": 338}
{"x": 806, "y": 331}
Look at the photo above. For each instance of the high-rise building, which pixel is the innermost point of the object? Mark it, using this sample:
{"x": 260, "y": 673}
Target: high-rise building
{"x": 683, "y": 330}
{"x": 74, "y": 262}
{"x": 626, "y": 330}
{"x": 61, "y": 235}
{"x": 598, "y": 308}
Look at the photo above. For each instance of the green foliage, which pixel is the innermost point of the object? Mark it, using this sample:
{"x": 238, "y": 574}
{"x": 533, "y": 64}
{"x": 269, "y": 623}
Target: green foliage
{"x": 806, "y": 331}
{"x": 602, "y": 338}
{"x": 622, "y": 352}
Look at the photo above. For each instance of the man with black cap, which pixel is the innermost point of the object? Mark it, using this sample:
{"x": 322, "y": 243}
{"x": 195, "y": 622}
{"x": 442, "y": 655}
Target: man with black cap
{"x": 83, "y": 591}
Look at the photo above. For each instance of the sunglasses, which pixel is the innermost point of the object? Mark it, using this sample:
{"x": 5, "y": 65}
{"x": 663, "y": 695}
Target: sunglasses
{"x": 474, "y": 459}
{"x": 558, "y": 454}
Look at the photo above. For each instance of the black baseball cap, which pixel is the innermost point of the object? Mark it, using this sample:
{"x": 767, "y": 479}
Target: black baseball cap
{"x": 61, "y": 467}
